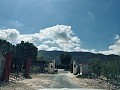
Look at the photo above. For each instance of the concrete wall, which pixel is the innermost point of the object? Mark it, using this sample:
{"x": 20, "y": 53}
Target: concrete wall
{"x": 2, "y": 62}
{"x": 74, "y": 67}
{"x": 53, "y": 64}
{"x": 84, "y": 69}
{"x": 51, "y": 68}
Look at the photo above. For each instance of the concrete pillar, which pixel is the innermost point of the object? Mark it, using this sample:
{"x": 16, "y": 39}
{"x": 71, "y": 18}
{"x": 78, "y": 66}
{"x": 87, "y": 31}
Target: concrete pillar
{"x": 53, "y": 64}
{"x": 80, "y": 69}
{"x": 50, "y": 68}
{"x": 7, "y": 67}
{"x": 74, "y": 67}
{"x": 27, "y": 68}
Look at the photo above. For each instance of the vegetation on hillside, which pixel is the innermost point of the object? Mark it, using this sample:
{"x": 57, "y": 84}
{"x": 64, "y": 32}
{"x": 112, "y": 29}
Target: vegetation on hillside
{"x": 65, "y": 59}
{"x": 107, "y": 69}
{"x": 80, "y": 57}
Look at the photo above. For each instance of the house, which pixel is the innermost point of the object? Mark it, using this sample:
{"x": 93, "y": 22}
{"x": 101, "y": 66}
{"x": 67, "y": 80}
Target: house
{"x": 84, "y": 69}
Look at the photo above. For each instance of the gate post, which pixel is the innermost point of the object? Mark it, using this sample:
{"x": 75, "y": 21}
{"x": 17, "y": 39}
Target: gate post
{"x": 27, "y": 68}
{"x": 7, "y": 67}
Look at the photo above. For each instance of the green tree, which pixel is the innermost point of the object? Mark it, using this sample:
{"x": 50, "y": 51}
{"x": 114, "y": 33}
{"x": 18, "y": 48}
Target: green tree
{"x": 106, "y": 70}
{"x": 5, "y": 46}
{"x": 95, "y": 67}
{"x": 65, "y": 59}
{"x": 26, "y": 50}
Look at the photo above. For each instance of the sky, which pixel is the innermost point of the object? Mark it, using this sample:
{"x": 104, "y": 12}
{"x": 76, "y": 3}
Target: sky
{"x": 64, "y": 25}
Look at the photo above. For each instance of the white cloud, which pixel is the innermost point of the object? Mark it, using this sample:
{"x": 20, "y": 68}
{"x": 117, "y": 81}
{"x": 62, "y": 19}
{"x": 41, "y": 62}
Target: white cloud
{"x": 117, "y": 36}
{"x": 113, "y": 49}
{"x": 59, "y": 37}
{"x": 43, "y": 47}
{"x": 54, "y": 48}
{"x": 9, "y": 35}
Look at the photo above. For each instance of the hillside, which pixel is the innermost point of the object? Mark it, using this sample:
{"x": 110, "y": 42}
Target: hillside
{"x": 81, "y": 57}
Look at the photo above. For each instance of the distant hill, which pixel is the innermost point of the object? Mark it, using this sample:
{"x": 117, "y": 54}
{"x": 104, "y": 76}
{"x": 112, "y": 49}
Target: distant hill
{"x": 80, "y": 57}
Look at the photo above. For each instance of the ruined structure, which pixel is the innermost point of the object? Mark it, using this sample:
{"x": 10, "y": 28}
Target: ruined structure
{"x": 84, "y": 70}
{"x": 74, "y": 67}
{"x": 51, "y": 67}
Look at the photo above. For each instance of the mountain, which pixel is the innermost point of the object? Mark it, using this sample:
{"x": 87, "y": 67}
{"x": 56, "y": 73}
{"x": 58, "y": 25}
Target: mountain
{"x": 80, "y": 57}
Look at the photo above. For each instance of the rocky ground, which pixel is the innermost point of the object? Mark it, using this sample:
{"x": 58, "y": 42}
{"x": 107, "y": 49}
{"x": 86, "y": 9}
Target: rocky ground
{"x": 93, "y": 83}
{"x": 37, "y": 81}
{"x": 45, "y": 80}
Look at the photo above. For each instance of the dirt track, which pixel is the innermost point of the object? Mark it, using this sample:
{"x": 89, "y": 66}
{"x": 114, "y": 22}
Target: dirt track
{"x": 63, "y": 79}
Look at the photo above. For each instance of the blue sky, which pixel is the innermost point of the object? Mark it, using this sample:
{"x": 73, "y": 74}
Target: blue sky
{"x": 94, "y": 22}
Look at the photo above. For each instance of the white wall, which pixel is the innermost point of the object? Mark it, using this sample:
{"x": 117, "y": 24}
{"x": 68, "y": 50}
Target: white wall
{"x": 84, "y": 69}
{"x": 51, "y": 68}
{"x": 74, "y": 67}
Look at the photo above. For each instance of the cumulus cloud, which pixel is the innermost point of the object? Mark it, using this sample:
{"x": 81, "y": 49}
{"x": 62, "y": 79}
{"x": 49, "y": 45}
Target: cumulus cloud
{"x": 9, "y": 35}
{"x": 59, "y": 37}
{"x": 117, "y": 36}
{"x": 113, "y": 49}
{"x": 43, "y": 47}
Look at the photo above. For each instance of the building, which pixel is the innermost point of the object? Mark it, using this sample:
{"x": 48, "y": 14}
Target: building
{"x": 84, "y": 70}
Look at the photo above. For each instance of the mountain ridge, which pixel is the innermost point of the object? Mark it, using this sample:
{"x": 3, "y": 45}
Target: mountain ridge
{"x": 80, "y": 57}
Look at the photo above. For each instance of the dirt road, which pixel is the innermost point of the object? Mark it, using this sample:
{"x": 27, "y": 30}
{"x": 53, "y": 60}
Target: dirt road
{"x": 63, "y": 80}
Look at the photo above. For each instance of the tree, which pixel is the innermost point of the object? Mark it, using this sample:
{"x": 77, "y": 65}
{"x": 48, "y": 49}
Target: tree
{"x": 95, "y": 67}
{"x": 5, "y": 46}
{"x": 65, "y": 59}
{"x": 26, "y": 50}
{"x": 71, "y": 66}
{"x": 106, "y": 70}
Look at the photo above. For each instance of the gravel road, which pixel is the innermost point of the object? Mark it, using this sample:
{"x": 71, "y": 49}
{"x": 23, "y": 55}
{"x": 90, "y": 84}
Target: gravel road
{"x": 63, "y": 80}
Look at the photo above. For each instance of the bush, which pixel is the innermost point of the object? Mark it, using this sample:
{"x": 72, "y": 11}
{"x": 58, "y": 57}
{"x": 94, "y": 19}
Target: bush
{"x": 36, "y": 69}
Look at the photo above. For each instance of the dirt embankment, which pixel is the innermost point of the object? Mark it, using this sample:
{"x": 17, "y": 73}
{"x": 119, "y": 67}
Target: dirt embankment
{"x": 37, "y": 81}
{"x": 45, "y": 80}
{"x": 93, "y": 83}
